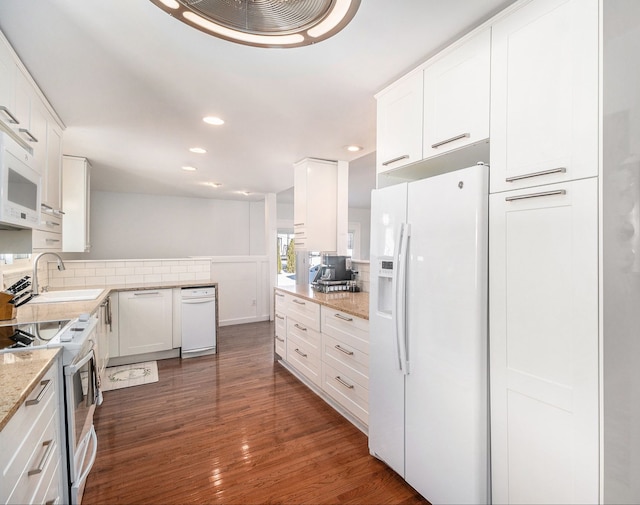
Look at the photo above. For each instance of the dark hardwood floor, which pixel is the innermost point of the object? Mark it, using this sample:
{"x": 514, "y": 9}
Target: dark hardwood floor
{"x": 233, "y": 428}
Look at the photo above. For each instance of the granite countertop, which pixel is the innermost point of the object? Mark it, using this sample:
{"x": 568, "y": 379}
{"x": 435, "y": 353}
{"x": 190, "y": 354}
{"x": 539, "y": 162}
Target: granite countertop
{"x": 36, "y": 312}
{"x": 20, "y": 373}
{"x": 355, "y": 304}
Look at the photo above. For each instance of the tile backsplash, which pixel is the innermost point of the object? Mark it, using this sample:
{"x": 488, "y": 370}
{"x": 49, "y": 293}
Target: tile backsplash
{"x": 116, "y": 272}
{"x": 362, "y": 279}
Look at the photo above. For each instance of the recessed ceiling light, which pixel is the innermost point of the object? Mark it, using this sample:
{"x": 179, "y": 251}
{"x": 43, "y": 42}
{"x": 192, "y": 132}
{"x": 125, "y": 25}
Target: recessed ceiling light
{"x": 265, "y": 24}
{"x": 189, "y": 168}
{"x": 213, "y": 120}
{"x": 198, "y": 150}
{"x": 353, "y": 149}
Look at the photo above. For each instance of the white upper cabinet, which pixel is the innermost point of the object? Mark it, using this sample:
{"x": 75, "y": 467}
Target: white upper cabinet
{"x": 75, "y": 204}
{"x": 400, "y": 124}
{"x": 456, "y": 97}
{"x": 8, "y": 113}
{"x": 52, "y": 181}
{"x": 544, "y": 94}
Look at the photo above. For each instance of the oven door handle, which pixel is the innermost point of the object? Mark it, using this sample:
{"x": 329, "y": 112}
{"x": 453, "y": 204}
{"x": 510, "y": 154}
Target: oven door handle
{"x": 73, "y": 368}
{"x": 75, "y": 488}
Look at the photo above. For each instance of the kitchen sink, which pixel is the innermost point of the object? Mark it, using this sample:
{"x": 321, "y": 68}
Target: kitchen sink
{"x": 72, "y": 295}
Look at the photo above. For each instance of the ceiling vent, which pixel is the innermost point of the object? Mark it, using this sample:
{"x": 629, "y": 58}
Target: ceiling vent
{"x": 265, "y": 23}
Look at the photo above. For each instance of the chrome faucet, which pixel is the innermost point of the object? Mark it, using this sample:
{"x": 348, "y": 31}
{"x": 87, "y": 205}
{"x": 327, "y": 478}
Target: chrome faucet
{"x": 34, "y": 277}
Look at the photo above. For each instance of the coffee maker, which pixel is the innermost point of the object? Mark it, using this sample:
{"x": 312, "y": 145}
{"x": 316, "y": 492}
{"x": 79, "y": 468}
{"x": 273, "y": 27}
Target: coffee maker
{"x": 334, "y": 274}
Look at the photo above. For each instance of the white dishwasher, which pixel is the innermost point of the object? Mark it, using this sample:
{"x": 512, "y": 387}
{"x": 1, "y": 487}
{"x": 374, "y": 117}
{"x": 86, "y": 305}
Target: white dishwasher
{"x": 198, "y": 321}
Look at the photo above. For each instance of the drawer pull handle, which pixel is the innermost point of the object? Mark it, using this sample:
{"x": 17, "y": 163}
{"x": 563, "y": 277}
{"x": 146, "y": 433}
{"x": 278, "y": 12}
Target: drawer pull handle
{"x": 55, "y": 501}
{"x": 146, "y": 293}
{"x": 51, "y": 223}
{"x": 344, "y": 318}
{"x": 535, "y": 195}
{"x": 30, "y": 136}
{"x": 389, "y": 162}
{"x": 452, "y": 139}
{"x": 279, "y": 316}
{"x": 7, "y": 112}
{"x": 301, "y": 353}
{"x": 298, "y": 302}
{"x": 49, "y": 445}
{"x": 300, "y": 327}
{"x": 279, "y": 339}
{"x": 344, "y": 383}
{"x": 51, "y": 240}
{"x": 280, "y": 295}
{"x": 298, "y": 224}
{"x": 38, "y": 399}
{"x": 342, "y": 349}
{"x": 560, "y": 170}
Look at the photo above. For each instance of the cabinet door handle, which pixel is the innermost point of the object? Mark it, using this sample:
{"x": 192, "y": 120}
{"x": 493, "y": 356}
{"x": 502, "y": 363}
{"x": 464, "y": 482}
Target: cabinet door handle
{"x": 457, "y": 137}
{"x": 279, "y": 339}
{"x": 51, "y": 240}
{"x": 30, "y": 136}
{"x": 7, "y": 112}
{"x": 298, "y": 302}
{"x": 49, "y": 445}
{"x": 560, "y": 170}
{"x": 279, "y": 316}
{"x": 343, "y": 382}
{"x": 280, "y": 295}
{"x": 344, "y": 318}
{"x": 146, "y": 293}
{"x": 389, "y": 162}
{"x": 342, "y": 349}
{"x": 301, "y": 353}
{"x": 38, "y": 399}
{"x": 298, "y": 224}
{"x": 536, "y": 195}
{"x": 300, "y": 327}
{"x": 51, "y": 223}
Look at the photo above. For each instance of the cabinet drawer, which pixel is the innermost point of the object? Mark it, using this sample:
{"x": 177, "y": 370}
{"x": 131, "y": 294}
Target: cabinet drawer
{"x": 351, "y": 330}
{"x": 346, "y": 391}
{"x": 281, "y": 324}
{"x": 281, "y": 346}
{"x": 346, "y": 359}
{"x": 305, "y": 358}
{"x": 49, "y": 490}
{"x": 33, "y": 460}
{"x": 305, "y": 334}
{"x": 281, "y": 303}
{"x": 47, "y": 240}
{"x": 304, "y": 311}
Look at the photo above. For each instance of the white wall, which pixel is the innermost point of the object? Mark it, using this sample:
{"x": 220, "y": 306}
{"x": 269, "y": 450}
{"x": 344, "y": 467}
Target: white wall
{"x": 362, "y": 217}
{"x": 132, "y": 226}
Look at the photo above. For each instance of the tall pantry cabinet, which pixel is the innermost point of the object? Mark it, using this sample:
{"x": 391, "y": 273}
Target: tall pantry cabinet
{"x": 565, "y": 227}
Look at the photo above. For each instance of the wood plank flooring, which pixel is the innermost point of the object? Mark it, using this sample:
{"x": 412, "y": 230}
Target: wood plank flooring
{"x": 233, "y": 428}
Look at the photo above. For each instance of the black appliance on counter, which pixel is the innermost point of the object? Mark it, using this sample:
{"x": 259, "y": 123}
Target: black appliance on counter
{"x": 334, "y": 274}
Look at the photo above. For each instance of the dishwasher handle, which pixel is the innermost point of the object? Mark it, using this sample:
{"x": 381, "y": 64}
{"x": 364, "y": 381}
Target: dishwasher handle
{"x": 198, "y": 300}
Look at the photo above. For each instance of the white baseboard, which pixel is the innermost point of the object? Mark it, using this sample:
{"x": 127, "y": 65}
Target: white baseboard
{"x": 243, "y": 320}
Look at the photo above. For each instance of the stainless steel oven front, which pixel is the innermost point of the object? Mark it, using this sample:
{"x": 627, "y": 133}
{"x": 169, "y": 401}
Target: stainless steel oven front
{"x": 82, "y": 394}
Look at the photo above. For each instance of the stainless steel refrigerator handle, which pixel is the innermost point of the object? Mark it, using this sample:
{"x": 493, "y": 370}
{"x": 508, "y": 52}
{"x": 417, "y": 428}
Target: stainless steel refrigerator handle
{"x": 388, "y": 162}
{"x": 457, "y": 137}
{"x": 535, "y": 195}
{"x": 560, "y": 170}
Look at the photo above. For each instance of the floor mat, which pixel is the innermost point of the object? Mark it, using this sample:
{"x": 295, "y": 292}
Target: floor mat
{"x": 125, "y": 376}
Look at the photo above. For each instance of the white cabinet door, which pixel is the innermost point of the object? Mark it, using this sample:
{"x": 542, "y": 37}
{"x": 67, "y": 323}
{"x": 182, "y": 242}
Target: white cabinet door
{"x": 8, "y": 71}
{"x": 76, "y": 173}
{"x": 456, "y": 97}
{"x": 52, "y": 181}
{"x": 145, "y": 321}
{"x": 400, "y": 124}
{"x": 544, "y": 344}
{"x": 544, "y": 94}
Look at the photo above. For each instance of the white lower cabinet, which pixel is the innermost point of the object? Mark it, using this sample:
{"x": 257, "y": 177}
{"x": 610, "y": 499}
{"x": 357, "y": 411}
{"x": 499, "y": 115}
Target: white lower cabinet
{"x": 281, "y": 326}
{"x": 31, "y": 470}
{"x": 544, "y": 344}
{"x": 327, "y": 347}
{"x": 145, "y": 321}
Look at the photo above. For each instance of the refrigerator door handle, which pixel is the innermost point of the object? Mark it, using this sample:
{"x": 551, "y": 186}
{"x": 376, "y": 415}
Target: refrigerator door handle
{"x": 400, "y": 297}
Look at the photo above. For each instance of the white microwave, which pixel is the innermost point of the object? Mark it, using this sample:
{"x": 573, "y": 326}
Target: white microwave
{"x": 20, "y": 186}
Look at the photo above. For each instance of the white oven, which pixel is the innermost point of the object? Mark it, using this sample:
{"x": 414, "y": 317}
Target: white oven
{"x": 82, "y": 395}
{"x": 19, "y": 186}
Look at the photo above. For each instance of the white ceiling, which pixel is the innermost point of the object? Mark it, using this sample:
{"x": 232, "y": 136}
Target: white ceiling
{"x": 132, "y": 84}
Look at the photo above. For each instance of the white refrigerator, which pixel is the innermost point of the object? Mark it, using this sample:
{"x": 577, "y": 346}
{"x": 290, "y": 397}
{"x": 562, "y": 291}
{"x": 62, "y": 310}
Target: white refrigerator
{"x": 428, "y": 394}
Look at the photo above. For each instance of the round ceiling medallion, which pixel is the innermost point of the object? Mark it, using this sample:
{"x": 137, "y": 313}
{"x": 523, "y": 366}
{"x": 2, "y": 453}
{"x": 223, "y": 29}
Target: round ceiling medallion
{"x": 264, "y": 23}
